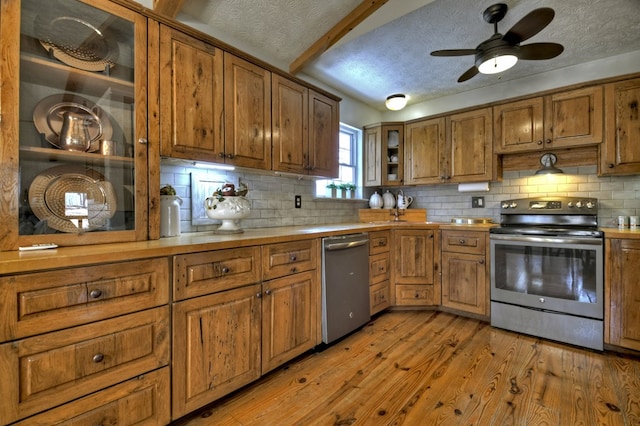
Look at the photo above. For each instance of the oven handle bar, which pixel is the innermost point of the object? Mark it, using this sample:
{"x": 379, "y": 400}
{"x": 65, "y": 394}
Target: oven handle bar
{"x": 342, "y": 246}
{"x": 542, "y": 239}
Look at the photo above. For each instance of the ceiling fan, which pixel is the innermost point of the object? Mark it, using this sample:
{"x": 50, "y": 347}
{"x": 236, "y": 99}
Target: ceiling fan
{"x": 501, "y": 52}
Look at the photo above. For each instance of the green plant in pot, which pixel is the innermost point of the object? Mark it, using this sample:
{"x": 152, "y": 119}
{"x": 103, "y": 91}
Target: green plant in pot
{"x": 333, "y": 188}
{"x": 351, "y": 188}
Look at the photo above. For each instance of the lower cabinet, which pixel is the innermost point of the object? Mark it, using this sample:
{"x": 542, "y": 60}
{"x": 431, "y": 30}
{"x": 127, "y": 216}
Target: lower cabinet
{"x": 416, "y": 267}
{"x": 465, "y": 272}
{"x": 379, "y": 271}
{"x": 229, "y": 338}
{"x": 622, "y": 293}
{"x": 216, "y": 346}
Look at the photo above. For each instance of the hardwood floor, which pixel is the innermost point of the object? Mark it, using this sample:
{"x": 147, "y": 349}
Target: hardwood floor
{"x": 434, "y": 368}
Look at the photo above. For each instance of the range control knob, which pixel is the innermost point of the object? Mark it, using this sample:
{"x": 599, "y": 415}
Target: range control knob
{"x": 513, "y": 205}
{"x": 590, "y": 204}
{"x": 505, "y": 205}
{"x": 570, "y": 204}
{"x": 579, "y": 204}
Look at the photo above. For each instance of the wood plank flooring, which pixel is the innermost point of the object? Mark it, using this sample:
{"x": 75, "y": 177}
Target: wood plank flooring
{"x": 435, "y": 368}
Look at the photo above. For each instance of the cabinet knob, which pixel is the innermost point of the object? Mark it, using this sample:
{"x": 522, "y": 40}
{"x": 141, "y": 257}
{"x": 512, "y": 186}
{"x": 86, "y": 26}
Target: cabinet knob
{"x": 221, "y": 154}
{"x": 539, "y": 142}
{"x": 294, "y": 270}
{"x": 267, "y": 292}
{"x": 143, "y": 141}
{"x": 95, "y": 293}
{"x": 259, "y": 295}
{"x": 225, "y": 270}
{"x": 610, "y": 165}
{"x": 382, "y": 243}
{"x": 98, "y": 358}
{"x": 293, "y": 258}
{"x": 481, "y": 261}
{"x": 230, "y": 155}
{"x": 548, "y": 141}
{"x": 462, "y": 241}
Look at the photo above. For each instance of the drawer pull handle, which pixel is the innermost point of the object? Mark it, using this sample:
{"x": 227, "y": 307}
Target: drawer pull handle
{"x": 293, "y": 258}
{"x": 95, "y": 293}
{"x": 225, "y": 270}
{"x": 382, "y": 243}
{"x": 98, "y": 358}
{"x": 294, "y": 270}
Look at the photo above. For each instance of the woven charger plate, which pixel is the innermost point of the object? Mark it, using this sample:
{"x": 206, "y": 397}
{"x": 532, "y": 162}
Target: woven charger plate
{"x": 72, "y": 198}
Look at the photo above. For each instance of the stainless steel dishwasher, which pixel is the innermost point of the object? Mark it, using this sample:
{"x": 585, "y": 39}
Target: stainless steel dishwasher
{"x": 345, "y": 285}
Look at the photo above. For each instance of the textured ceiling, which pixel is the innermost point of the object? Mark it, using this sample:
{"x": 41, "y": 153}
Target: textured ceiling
{"x": 389, "y": 52}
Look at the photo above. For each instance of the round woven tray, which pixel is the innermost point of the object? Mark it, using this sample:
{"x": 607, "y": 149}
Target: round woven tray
{"x": 72, "y": 198}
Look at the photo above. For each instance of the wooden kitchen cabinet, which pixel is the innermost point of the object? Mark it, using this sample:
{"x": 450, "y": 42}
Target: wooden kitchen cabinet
{"x": 560, "y": 120}
{"x": 216, "y": 346}
{"x": 63, "y": 189}
{"x": 384, "y": 154}
{"x": 452, "y": 149}
{"x": 622, "y": 293}
{"x": 47, "y": 370}
{"x": 379, "y": 271}
{"x": 465, "y": 271}
{"x": 416, "y": 267}
{"x": 305, "y": 129}
{"x": 620, "y": 151}
{"x": 214, "y": 106}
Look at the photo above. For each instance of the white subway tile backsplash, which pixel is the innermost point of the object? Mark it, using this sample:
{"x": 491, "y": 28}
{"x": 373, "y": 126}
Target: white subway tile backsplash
{"x": 272, "y": 197}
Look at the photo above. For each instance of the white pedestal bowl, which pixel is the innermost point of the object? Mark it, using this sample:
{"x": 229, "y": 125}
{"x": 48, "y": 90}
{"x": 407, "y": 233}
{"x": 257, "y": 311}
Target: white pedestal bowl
{"x": 230, "y": 210}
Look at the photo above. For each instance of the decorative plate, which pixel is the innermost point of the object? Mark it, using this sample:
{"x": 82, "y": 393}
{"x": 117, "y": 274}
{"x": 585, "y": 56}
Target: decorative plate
{"x": 77, "y": 43}
{"x": 47, "y": 117}
{"x": 72, "y": 198}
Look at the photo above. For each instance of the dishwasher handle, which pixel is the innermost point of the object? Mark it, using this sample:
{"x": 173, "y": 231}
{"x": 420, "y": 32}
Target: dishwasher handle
{"x": 342, "y": 246}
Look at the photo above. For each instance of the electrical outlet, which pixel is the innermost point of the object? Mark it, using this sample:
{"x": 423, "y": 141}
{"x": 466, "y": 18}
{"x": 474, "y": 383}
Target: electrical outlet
{"x": 477, "y": 202}
{"x": 298, "y": 202}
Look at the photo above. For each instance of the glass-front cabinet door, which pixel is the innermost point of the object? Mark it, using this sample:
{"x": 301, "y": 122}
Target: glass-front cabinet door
{"x": 74, "y": 123}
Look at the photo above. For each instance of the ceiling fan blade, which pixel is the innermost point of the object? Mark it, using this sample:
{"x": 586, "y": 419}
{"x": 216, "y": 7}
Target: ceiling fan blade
{"x": 453, "y": 52}
{"x": 530, "y": 25}
{"x": 468, "y": 74}
{"x": 536, "y": 51}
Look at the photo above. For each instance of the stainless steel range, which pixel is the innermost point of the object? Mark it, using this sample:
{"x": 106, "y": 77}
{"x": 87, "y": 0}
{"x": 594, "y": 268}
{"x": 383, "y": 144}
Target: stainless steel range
{"x": 547, "y": 270}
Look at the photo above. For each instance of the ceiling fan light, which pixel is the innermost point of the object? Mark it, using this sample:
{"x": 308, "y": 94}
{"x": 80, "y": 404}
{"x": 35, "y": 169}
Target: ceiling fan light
{"x": 396, "y": 102}
{"x": 497, "y": 64}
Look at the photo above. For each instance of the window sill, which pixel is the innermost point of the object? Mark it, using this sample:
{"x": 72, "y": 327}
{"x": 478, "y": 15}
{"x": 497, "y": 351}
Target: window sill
{"x": 359, "y": 200}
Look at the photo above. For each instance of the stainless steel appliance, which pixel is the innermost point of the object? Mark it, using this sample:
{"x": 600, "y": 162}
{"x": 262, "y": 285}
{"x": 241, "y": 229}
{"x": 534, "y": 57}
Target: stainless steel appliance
{"x": 547, "y": 270}
{"x": 345, "y": 285}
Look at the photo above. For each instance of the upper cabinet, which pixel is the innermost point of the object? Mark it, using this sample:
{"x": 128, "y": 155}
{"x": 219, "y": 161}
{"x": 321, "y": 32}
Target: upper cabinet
{"x": 213, "y": 106}
{"x": 74, "y": 123}
{"x": 305, "y": 129}
{"x": 384, "y": 154}
{"x": 452, "y": 149}
{"x": 561, "y": 120}
{"x": 620, "y": 152}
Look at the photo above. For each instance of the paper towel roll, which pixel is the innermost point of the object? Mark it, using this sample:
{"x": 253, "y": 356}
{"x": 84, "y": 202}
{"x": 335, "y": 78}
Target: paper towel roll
{"x": 473, "y": 187}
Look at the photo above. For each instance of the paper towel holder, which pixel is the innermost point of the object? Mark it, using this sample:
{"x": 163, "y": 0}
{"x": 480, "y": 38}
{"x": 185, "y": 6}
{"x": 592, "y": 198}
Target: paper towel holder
{"x": 474, "y": 187}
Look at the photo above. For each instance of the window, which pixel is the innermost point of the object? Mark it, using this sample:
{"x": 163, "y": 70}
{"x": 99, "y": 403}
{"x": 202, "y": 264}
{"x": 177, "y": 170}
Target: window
{"x": 349, "y": 157}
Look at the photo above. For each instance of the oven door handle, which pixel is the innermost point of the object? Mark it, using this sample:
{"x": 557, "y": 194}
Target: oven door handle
{"x": 547, "y": 240}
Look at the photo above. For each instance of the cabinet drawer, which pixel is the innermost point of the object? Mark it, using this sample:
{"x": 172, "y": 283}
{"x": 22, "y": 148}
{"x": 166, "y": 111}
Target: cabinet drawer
{"x": 379, "y": 297}
{"x": 47, "y": 301}
{"x": 379, "y": 268}
{"x": 209, "y": 272}
{"x": 379, "y": 242}
{"x": 48, "y": 370}
{"x": 288, "y": 258}
{"x": 139, "y": 401}
{"x": 410, "y": 294}
{"x": 472, "y": 242}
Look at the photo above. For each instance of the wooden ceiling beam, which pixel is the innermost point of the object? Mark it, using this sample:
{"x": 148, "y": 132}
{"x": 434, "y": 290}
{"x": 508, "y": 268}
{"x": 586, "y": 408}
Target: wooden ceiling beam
{"x": 168, "y": 8}
{"x": 357, "y": 15}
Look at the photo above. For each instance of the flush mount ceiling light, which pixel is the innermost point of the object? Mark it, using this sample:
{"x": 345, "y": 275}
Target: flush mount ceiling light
{"x": 396, "y": 102}
{"x": 548, "y": 162}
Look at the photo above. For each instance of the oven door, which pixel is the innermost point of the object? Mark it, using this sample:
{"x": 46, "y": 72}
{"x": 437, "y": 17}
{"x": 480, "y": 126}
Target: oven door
{"x": 561, "y": 274}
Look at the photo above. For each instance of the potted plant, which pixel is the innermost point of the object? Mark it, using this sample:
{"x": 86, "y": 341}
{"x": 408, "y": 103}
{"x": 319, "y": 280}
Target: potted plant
{"x": 351, "y": 188}
{"x": 343, "y": 189}
{"x": 333, "y": 189}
